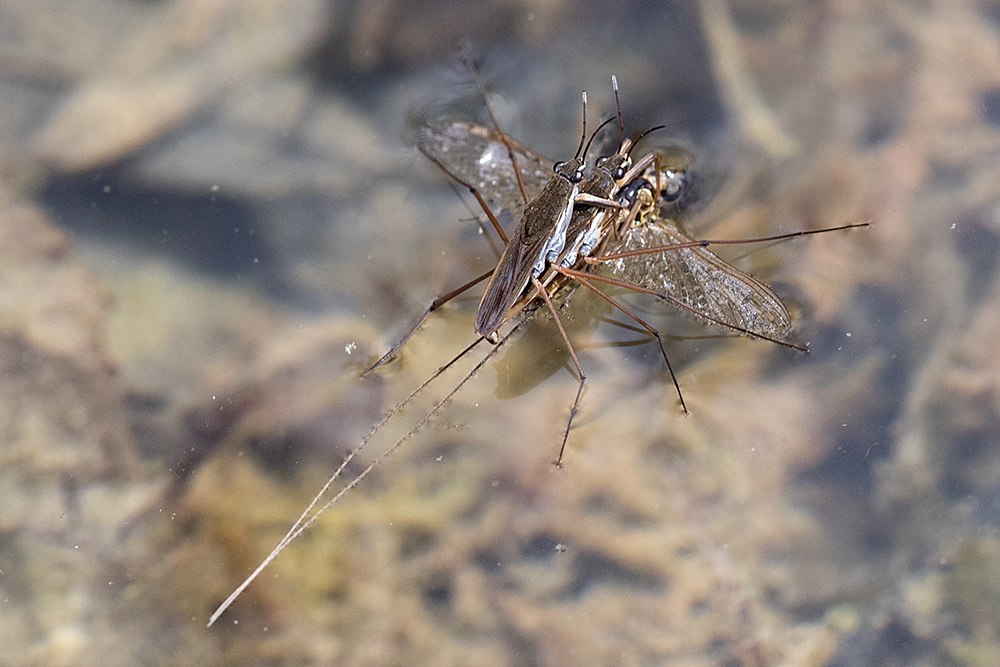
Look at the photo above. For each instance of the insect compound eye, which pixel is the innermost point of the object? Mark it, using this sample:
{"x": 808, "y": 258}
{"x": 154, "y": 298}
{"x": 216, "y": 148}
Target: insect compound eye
{"x": 601, "y": 161}
{"x": 557, "y": 166}
{"x": 577, "y": 176}
{"x": 619, "y": 173}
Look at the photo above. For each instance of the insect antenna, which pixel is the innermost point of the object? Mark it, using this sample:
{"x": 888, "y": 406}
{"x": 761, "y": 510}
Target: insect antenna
{"x": 591, "y": 140}
{"x": 583, "y": 135}
{"x": 644, "y": 135}
{"x": 618, "y": 105}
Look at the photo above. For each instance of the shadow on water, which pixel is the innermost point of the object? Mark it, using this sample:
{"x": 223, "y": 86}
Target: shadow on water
{"x": 209, "y": 234}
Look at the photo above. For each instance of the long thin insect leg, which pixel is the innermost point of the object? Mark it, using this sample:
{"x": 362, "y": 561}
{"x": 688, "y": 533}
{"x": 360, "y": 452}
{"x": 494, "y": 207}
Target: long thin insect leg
{"x": 440, "y": 301}
{"x": 576, "y": 361}
{"x": 304, "y": 520}
{"x": 638, "y": 320}
{"x": 471, "y": 188}
{"x": 470, "y": 64}
{"x": 708, "y": 242}
{"x": 680, "y": 304}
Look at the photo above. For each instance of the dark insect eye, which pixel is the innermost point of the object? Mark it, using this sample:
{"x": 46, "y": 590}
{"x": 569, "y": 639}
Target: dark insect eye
{"x": 577, "y": 176}
{"x": 557, "y": 166}
{"x": 601, "y": 161}
{"x": 619, "y": 173}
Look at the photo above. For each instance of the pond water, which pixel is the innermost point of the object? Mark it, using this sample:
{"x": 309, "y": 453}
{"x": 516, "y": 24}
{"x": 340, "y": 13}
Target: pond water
{"x": 215, "y": 221}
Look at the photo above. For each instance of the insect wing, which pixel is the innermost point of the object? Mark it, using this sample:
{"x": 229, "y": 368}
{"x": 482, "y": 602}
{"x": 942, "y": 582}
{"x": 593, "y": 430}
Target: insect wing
{"x": 477, "y": 155}
{"x": 699, "y": 279}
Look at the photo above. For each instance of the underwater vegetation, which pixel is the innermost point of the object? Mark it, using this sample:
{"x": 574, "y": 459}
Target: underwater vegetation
{"x": 210, "y": 225}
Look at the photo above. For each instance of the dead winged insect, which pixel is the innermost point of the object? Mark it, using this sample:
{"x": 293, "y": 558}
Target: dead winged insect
{"x": 646, "y": 251}
{"x": 694, "y": 276}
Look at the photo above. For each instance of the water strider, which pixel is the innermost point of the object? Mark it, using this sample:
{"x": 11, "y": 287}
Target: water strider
{"x": 545, "y": 219}
{"x": 556, "y": 224}
{"x": 641, "y": 247}
{"x": 630, "y": 238}
{"x": 554, "y": 221}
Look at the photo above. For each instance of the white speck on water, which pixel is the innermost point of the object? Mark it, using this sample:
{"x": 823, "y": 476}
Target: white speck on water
{"x": 848, "y": 334}
{"x": 350, "y": 347}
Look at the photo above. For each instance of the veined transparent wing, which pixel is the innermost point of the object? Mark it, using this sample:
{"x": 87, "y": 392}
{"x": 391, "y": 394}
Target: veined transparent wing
{"x": 698, "y": 278}
{"x": 476, "y": 154}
